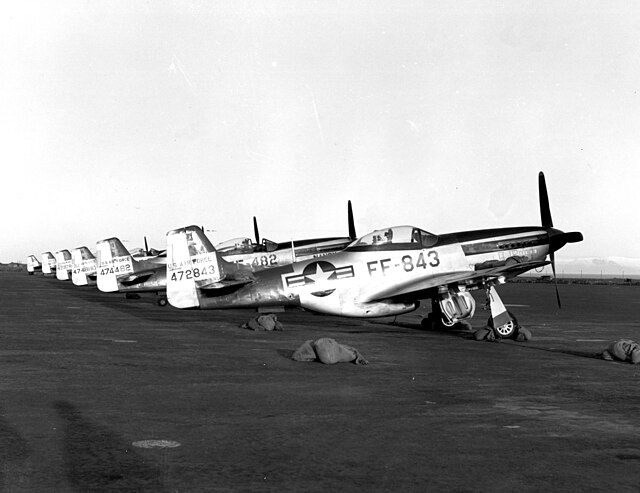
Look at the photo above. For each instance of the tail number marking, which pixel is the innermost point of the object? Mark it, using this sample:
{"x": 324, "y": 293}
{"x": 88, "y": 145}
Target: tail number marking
{"x": 115, "y": 270}
{"x": 432, "y": 260}
{"x": 194, "y": 273}
{"x": 265, "y": 261}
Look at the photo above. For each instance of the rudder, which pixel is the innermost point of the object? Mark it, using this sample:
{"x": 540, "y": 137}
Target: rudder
{"x": 113, "y": 259}
{"x": 33, "y": 264}
{"x": 48, "y": 263}
{"x": 192, "y": 261}
{"x": 63, "y": 265}
{"x": 83, "y": 264}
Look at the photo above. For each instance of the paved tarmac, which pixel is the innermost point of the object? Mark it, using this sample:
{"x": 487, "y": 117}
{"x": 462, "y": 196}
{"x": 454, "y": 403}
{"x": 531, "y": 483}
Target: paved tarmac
{"x": 89, "y": 379}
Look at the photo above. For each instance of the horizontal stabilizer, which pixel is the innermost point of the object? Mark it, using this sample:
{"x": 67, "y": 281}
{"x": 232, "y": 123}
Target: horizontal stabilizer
{"x": 138, "y": 277}
{"x": 226, "y": 284}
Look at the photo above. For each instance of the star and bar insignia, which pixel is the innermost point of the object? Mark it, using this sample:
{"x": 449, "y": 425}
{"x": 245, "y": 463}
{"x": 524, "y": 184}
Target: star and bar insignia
{"x": 316, "y": 272}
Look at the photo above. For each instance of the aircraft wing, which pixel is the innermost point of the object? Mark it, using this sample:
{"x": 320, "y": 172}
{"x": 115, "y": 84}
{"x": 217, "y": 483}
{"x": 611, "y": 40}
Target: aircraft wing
{"x": 399, "y": 289}
{"x": 468, "y": 278}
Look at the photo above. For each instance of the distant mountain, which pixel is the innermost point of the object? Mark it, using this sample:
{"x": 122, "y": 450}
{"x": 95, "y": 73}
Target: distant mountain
{"x": 596, "y": 266}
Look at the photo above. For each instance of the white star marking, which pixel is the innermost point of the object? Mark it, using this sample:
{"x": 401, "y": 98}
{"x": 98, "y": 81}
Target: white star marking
{"x": 320, "y": 275}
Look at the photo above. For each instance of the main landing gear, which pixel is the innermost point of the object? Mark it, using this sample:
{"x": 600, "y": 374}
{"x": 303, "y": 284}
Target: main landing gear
{"x": 451, "y": 308}
{"x": 161, "y": 299}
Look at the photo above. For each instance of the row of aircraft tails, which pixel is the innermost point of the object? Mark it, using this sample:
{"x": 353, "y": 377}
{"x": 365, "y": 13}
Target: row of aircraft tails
{"x": 386, "y": 272}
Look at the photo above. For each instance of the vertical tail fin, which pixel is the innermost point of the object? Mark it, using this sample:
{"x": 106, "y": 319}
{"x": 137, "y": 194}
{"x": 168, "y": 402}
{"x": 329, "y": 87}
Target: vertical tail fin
{"x": 113, "y": 260}
{"x": 76, "y": 268}
{"x": 83, "y": 264}
{"x": 48, "y": 263}
{"x": 32, "y": 264}
{"x": 191, "y": 262}
{"x": 63, "y": 265}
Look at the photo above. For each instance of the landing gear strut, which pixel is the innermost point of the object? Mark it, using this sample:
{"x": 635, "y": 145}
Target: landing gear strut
{"x": 449, "y": 309}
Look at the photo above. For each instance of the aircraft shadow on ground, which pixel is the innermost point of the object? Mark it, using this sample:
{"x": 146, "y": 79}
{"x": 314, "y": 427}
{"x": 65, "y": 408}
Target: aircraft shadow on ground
{"x": 465, "y": 334}
{"x": 145, "y": 308}
{"x": 96, "y": 459}
{"x": 570, "y": 352}
{"x": 14, "y": 451}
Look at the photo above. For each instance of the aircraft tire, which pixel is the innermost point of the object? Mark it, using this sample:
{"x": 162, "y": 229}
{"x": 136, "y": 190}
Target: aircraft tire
{"x": 162, "y": 301}
{"x": 507, "y": 331}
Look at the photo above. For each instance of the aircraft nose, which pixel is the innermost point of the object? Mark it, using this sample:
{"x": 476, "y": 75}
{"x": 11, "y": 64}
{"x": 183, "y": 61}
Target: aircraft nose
{"x": 558, "y": 239}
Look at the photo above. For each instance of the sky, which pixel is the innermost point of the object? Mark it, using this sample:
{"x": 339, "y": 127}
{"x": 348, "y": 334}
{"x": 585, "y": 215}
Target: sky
{"x": 130, "y": 119}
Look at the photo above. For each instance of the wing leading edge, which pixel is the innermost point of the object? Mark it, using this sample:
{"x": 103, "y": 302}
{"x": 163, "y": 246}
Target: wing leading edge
{"x": 467, "y": 278}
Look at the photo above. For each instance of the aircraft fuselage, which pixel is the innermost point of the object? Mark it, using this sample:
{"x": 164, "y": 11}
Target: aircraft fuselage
{"x": 350, "y": 282}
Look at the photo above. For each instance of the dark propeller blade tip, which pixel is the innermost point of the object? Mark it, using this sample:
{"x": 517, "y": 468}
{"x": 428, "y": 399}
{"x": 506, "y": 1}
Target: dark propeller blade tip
{"x": 352, "y": 226}
{"x": 545, "y": 211}
{"x": 255, "y": 230}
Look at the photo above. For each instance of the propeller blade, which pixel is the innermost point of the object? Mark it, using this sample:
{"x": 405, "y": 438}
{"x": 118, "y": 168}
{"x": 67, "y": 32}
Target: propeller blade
{"x": 352, "y": 226}
{"x": 255, "y": 230}
{"x": 545, "y": 211}
{"x": 146, "y": 247}
{"x": 555, "y": 279}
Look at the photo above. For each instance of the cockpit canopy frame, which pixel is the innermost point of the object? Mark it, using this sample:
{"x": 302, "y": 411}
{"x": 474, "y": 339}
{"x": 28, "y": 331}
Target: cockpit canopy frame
{"x": 396, "y": 237}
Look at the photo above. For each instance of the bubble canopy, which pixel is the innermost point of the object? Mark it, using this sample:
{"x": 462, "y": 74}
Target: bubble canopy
{"x": 235, "y": 245}
{"x": 238, "y": 246}
{"x": 407, "y": 236}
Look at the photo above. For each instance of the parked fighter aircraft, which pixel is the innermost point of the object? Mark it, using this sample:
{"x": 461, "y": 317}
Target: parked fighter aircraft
{"x": 118, "y": 271}
{"x": 83, "y": 266}
{"x": 267, "y": 254}
{"x": 33, "y": 264}
{"x": 63, "y": 265}
{"x": 48, "y": 263}
{"x": 384, "y": 273}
